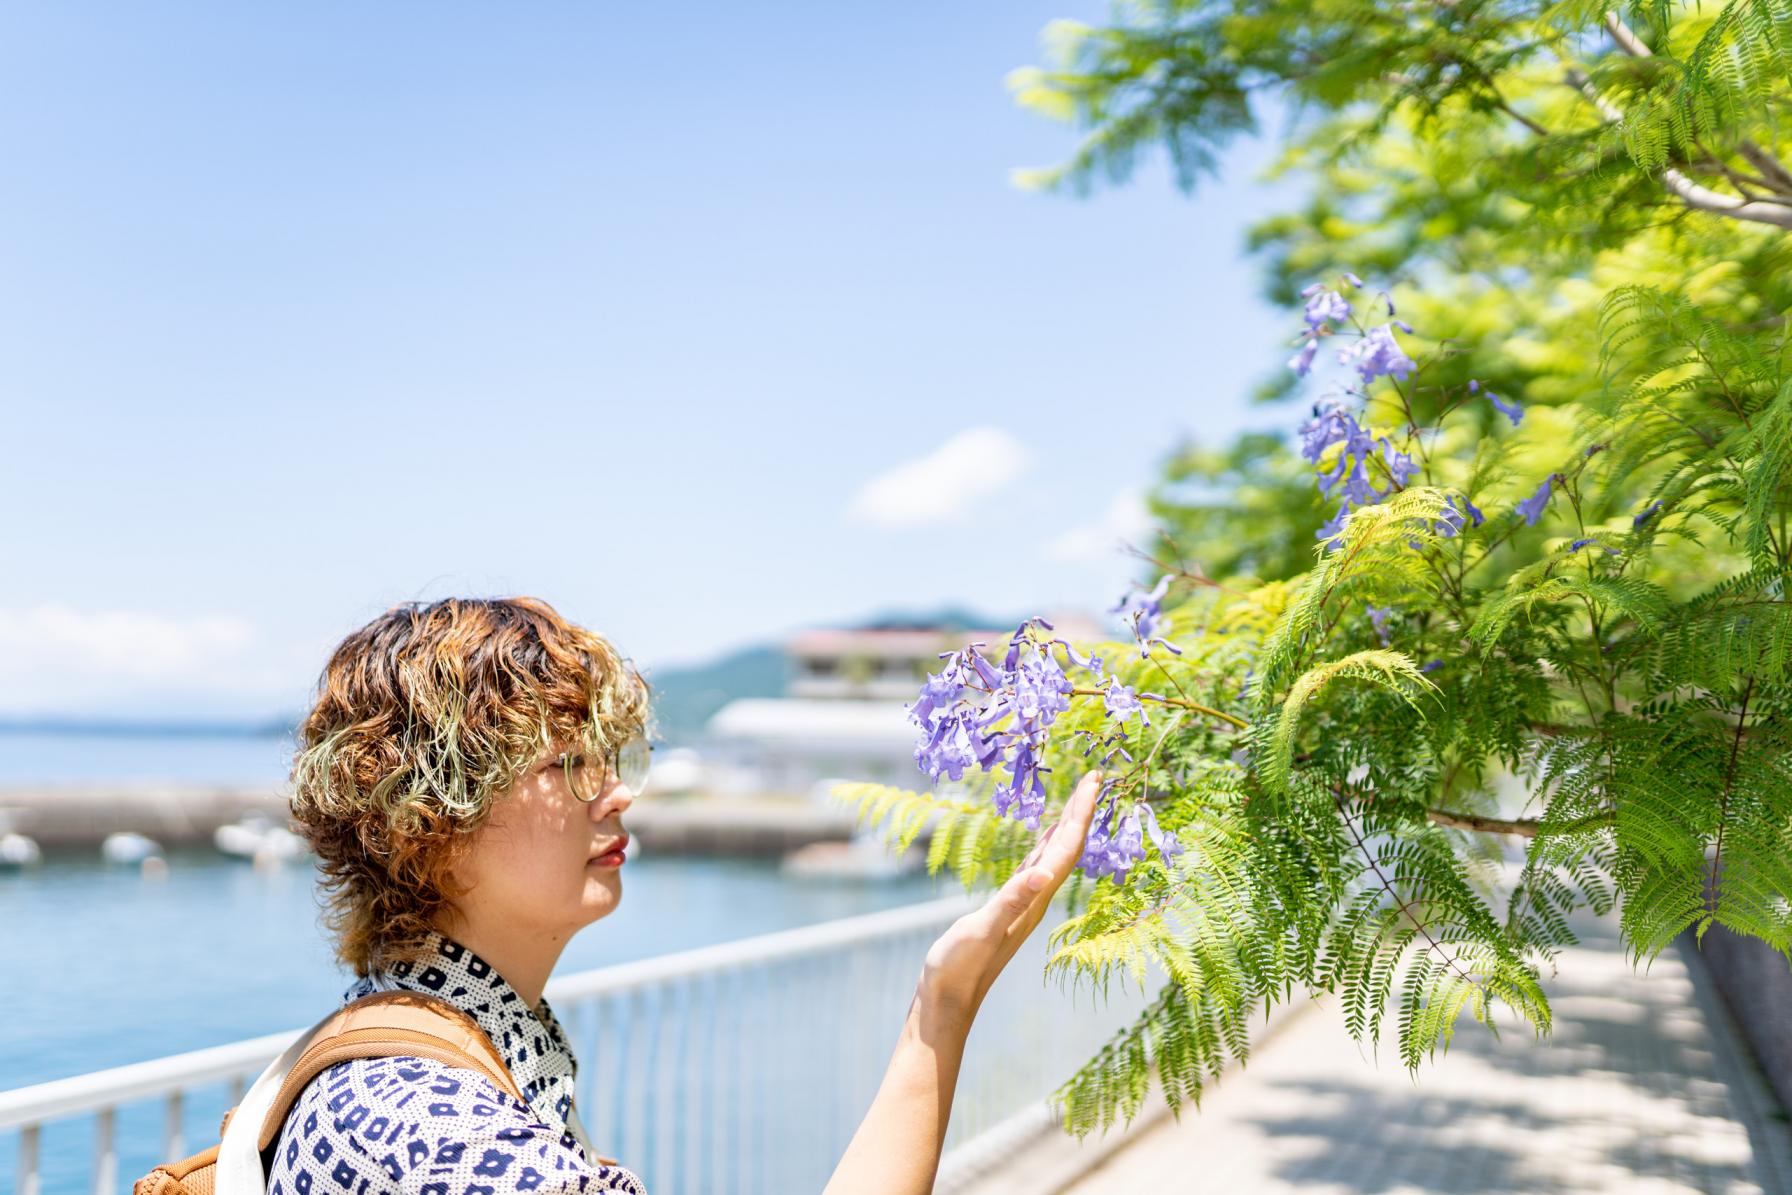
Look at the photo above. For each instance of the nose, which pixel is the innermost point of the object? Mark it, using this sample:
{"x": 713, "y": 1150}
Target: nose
{"x": 616, "y": 799}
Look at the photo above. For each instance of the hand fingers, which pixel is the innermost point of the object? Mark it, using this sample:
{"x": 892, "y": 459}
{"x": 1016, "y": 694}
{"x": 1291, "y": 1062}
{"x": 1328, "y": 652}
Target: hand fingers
{"x": 1072, "y": 829}
{"x": 1048, "y": 865}
{"x": 1039, "y": 847}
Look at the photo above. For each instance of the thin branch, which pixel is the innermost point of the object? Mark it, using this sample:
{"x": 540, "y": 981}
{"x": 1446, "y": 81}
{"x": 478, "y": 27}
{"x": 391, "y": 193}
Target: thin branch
{"x": 1187, "y": 705}
{"x": 1387, "y": 886}
{"x": 1524, "y": 827}
{"x": 1723, "y": 809}
{"x": 1776, "y": 175}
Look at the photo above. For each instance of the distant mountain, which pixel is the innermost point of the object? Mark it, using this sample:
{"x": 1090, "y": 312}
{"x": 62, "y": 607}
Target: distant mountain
{"x": 684, "y": 698}
{"x": 950, "y": 618}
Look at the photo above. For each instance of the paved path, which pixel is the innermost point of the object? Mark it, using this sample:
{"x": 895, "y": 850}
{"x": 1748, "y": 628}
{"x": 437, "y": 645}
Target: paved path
{"x": 1644, "y": 1089}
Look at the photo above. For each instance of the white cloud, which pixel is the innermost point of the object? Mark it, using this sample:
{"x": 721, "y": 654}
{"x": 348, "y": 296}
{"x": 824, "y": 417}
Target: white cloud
{"x": 1127, "y": 520}
{"x": 942, "y": 485}
{"x": 54, "y": 656}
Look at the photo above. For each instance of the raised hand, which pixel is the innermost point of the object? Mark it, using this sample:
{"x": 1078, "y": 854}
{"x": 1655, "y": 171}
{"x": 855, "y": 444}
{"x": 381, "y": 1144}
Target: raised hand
{"x": 965, "y": 961}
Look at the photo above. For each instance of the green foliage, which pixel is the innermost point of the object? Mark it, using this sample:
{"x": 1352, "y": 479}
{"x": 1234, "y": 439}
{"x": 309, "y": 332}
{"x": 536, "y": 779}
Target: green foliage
{"x": 1402, "y": 761}
{"x": 965, "y": 834}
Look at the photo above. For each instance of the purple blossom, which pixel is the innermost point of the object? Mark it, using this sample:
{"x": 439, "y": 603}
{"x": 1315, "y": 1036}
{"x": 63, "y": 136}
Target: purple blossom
{"x": 1112, "y": 851}
{"x": 1145, "y": 648}
{"x": 1389, "y": 300}
{"x": 1378, "y": 615}
{"x": 1092, "y": 662}
{"x": 1431, "y": 665}
{"x": 1141, "y": 610}
{"x": 941, "y": 689}
{"x": 1326, "y": 306}
{"x": 1474, "y": 386}
{"x": 1353, "y": 280}
{"x": 1165, "y": 840}
{"x": 1511, "y": 410}
{"x": 1349, "y": 476}
{"x": 1330, "y": 424}
{"x": 947, "y": 748}
{"x": 1647, "y": 513}
{"x": 1400, "y": 465}
{"x": 1025, "y": 790}
{"x": 1451, "y": 522}
{"x": 1376, "y": 354}
{"x": 1302, "y": 362}
{"x": 1041, "y": 692}
{"x": 1578, "y": 544}
{"x": 1122, "y": 703}
{"x": 1532, "y": 508}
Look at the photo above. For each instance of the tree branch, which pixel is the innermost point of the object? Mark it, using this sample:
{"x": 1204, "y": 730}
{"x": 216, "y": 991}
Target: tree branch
{"x": 1692, "y": 194}
{"x": 1524, "y": 827}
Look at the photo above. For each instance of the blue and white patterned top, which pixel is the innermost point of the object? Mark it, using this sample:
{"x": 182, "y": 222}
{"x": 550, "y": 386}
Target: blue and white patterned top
{"x": 414, "y": 1126}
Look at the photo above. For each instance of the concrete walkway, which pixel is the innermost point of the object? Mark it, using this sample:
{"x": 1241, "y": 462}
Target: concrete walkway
{"x": 1644, "y": 1088}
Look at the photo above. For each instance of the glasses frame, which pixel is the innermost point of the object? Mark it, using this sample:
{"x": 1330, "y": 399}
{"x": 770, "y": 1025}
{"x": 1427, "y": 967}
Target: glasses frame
{"x": 640, "y": 761}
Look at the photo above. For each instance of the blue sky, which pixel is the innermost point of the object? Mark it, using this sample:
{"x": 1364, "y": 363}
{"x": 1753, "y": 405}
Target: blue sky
{"x": 704, "y": 322}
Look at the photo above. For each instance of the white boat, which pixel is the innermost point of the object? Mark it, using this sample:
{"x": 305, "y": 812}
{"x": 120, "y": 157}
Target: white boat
{"x": 16, "y": 850}
{"x": 862, "y": 859}
{"x": 255, "y": 836}
{"x": 127, "y": 846}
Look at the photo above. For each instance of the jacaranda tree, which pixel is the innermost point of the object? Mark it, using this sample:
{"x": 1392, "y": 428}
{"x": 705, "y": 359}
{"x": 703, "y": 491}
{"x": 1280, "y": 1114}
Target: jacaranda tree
{"x": 1544, "y": 470}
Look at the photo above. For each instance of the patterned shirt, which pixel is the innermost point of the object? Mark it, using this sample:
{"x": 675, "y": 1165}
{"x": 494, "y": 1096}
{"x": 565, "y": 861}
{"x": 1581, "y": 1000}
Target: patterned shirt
{"x": 414, "y": 1126}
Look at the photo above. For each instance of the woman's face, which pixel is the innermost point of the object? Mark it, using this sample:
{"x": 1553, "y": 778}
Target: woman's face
{"x": 544, "y": 862}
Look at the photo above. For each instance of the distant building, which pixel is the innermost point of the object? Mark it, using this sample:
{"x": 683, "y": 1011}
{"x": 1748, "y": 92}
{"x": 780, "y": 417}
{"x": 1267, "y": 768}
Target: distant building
{"x": 845, "y": 712}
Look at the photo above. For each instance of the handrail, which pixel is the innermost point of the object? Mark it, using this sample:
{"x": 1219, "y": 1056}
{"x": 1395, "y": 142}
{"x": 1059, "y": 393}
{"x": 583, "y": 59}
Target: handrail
{"x": 99, "y": 1090}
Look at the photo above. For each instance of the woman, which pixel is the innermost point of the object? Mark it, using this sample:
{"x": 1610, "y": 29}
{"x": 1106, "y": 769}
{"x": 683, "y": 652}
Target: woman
{"x": 462, "y": 778}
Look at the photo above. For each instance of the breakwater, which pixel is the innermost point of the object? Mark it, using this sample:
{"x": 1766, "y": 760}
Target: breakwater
{"x": 79, "y": 816}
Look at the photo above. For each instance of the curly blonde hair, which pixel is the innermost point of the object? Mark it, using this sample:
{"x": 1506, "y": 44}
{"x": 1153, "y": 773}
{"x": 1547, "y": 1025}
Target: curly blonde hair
{"x": 421, "y": 716}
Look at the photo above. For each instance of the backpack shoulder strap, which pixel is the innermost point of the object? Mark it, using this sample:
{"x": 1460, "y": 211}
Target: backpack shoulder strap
{"x": 388, "y": 1025}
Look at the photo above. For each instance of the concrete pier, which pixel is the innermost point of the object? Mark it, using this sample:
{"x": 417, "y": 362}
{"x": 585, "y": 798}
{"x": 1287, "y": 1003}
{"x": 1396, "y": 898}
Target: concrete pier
{"x": 78, "y": 817}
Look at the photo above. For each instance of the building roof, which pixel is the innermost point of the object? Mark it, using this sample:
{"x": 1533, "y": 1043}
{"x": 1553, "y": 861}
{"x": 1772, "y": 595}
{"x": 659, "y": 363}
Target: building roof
{"x": 819, "y": 722}
{"x": 828, "y": 641}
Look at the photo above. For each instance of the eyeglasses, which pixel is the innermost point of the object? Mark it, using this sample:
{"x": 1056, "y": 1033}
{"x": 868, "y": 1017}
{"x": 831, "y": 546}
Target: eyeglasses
{"x": 628, "y": 762}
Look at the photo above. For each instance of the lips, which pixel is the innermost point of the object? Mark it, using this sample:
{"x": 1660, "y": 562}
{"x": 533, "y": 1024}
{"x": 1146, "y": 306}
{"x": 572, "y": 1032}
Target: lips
{"x": 612, "y": 854}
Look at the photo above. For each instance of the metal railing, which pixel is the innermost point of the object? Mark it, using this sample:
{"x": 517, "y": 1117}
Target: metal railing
{"x": 739, "y": 1068}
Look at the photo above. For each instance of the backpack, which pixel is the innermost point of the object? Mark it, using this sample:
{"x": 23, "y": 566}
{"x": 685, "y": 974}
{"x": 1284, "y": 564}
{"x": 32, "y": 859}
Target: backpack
{"x": 382, "y": 1025}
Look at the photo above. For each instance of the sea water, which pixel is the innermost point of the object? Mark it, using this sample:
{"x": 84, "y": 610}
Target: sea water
{"x": 103, "y": 965}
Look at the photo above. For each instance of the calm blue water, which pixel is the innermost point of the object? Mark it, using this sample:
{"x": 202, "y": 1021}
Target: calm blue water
{"x": 100, "y": 967}
{"x": 28, "y": 757}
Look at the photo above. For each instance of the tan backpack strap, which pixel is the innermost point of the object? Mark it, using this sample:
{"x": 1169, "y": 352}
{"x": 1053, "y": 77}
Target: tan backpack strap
{"x": 390, "y": 1025}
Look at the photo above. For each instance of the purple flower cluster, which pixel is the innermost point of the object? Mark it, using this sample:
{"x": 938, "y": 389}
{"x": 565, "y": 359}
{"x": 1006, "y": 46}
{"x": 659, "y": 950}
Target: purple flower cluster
{"x": 1374, "y": 354}
{"x": 1140, "y": 611}
{"x": 1029, "y": 689}
{"x": 1114, "y": 849}
{"x": 1332, "y": 424}
{"x": 1026, "y": 693}
{"x": 1324, "y": 308}
{"x": 1377, "y": 354}
{"x": 1460, "y": 507}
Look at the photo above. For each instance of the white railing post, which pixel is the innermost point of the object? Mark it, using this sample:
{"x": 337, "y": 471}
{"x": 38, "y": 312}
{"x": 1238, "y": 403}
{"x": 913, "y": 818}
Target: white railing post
{"x": 30, "y": 1183}
{"x": 105, "y": 1152}
{"x": 173, "y": 1138}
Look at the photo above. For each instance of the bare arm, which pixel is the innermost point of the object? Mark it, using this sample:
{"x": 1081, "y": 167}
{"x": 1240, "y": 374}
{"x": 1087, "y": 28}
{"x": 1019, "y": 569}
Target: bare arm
{"x": 896, "y": 1150}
